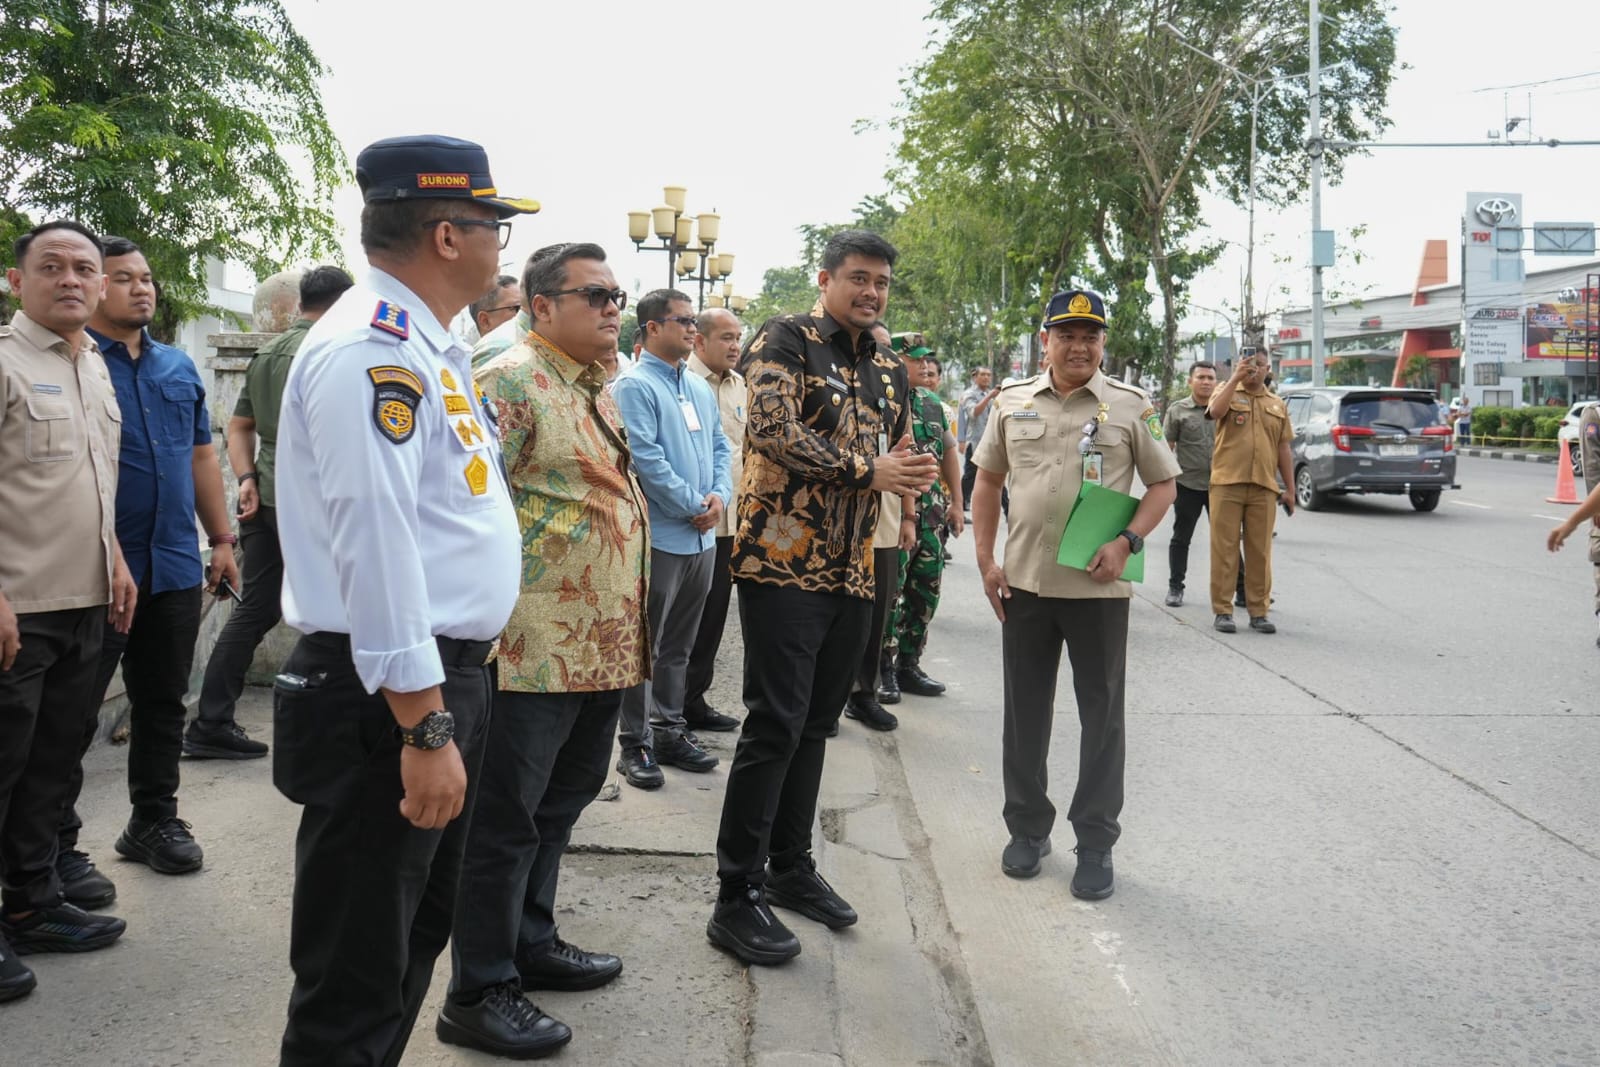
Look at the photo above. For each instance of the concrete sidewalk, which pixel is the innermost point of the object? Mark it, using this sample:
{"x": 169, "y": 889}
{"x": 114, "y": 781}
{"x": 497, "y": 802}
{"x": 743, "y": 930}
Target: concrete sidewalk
{"x": 202, "y": 975}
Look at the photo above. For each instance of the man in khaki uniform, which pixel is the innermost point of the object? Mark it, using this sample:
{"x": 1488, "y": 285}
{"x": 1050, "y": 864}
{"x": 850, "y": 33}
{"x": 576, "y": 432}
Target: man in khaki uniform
{"x": 60, "y": 565}
{"x": 1048, "y": 435}
{"x": 716, "y": 353}
{"x": 1250, "y": 456}
{"x": 1589, "y": 450}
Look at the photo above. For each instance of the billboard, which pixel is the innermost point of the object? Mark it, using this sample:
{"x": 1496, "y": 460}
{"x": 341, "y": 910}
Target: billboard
{"x": 1558, "y": 330}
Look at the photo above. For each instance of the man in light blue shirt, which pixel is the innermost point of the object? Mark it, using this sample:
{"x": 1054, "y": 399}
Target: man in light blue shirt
{"x": 682, "y": 459}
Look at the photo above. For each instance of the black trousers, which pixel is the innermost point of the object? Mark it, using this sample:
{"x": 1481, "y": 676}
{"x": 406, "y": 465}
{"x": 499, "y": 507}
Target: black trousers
{"x": 373, "y": 895}
{"x": 1185, "y": 514}
{"x": 1095, "y": 632}
{"x": 156, "y": 654}
{"x": 547, "y": 757}
{"x": 885, "y": 587}
{"x": 44, "y": 699}
{"x": 713, "y": 621}
{"x": 800, "y": 653}
{"x": 261, "y": 572}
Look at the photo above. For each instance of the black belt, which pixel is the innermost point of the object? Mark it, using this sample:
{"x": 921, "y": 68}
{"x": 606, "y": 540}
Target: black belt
{"x": 453, "y": 651}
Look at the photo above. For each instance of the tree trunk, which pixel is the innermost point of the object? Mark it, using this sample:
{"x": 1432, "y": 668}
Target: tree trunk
{"x": 1169, "y": 332}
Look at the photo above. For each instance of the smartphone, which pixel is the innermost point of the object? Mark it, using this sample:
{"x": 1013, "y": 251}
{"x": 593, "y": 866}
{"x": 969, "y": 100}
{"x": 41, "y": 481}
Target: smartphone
{"x": 225, "y": 588}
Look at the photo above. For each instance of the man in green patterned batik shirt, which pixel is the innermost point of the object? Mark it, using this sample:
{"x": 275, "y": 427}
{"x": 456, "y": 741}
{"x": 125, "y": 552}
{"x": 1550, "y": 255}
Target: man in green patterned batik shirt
{"x": 923, "y": 566}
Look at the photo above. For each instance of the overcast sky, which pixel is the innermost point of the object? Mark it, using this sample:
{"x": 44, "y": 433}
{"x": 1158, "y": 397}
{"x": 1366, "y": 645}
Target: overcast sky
{"x": 777, "y": 114}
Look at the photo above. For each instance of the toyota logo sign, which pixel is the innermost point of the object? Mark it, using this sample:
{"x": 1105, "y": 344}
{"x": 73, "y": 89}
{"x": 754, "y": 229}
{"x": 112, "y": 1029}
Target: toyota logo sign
{"x": 1495, "y": 210}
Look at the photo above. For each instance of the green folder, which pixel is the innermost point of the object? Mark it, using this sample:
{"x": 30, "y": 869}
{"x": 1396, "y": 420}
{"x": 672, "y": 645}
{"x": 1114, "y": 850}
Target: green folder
{"x": 1098, "y": 515}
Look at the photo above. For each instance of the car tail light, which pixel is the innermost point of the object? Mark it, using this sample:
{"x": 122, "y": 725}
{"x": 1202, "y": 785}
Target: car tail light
{"x": 1445, "y": 432}
{"x": 1342, "y": 435}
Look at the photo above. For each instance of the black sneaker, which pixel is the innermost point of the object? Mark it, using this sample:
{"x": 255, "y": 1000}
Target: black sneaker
{"x": 1262, "y": 625}
{"x": 166, "y": 845}
{"x": 914, "y": 680}
{"x": 63, "y": 928}
{"x": 746, "y": 927}
{"x": 638, "y": 765}
{"x": 1174, "y": 598}
{"x": 567, "y": 968}
{"x": 81, "y": 881}
{"x": 16, "y": 980}
{"x": 684, "y": 753}
{"x": 502, "y": 1022}
{"x": 1021, "y": 857}
{"x": 711, "y": 719}
{"x": 869, "y": 712}
{"x": 1092, "y": 880}
{"x": 1224, "y": 624}
{"x": 220, "y": 740}
{"x": 802, "y": 889}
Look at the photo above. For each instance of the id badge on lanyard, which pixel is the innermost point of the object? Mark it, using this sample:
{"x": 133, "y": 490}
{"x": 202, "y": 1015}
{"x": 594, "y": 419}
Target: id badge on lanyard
{"x": 1094, "y": 468}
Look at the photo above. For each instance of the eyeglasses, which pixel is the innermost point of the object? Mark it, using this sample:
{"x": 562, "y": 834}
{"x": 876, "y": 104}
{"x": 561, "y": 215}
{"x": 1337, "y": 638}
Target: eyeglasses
{"x": 502, "y": 229}
{"x": 597, "y": 295}
{"x": 686, "y": 321}
{"x": 1086, "y": 443}
{"x": 502, "y": 307}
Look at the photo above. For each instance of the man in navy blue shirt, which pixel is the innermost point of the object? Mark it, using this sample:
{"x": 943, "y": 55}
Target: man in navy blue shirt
{"x": 683, "y": 460}
{"x": 168, "y": 474}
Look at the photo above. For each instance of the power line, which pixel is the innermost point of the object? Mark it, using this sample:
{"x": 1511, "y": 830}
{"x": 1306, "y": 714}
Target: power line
{"x": 1535, "y": 84}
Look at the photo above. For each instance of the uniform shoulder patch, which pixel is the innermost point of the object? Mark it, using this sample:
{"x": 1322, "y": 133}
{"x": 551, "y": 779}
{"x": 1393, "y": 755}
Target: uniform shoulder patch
{"x": 1152, "y": 422}
{"x": 392, "y": 319}
{"x": 396, "y": 392}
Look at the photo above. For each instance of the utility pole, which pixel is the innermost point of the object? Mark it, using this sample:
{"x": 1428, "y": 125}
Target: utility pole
{"x": 1314, "y": 146}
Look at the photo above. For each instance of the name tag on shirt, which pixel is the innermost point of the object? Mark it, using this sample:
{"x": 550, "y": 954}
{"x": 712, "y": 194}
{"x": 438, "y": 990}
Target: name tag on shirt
{"x": 1025, "y": 415}
{"x": 835, "y": 384}
{"x": 51, "y": 390}
{"x": 691, "y": 418}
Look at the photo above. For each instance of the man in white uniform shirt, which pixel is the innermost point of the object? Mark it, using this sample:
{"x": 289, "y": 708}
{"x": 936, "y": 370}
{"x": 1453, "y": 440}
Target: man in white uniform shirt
{"x": 401, "y": 565}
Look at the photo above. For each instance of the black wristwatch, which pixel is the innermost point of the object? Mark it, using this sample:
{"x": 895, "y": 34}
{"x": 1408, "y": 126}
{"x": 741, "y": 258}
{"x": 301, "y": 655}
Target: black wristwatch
{"x": 436, "y": 730}
{"x": 1134, "y": 540}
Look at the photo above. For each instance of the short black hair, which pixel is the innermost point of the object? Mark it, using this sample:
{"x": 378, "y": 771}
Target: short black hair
{"x": 856, "y": 243}
{"x": 546, "y": 270}
{"x": 19, "y": 248}
{"x": 1199, "y": 363}
{"x": 396, "y": 226}
{"x": 656, "y": 303}
{"x": 112, "y": 247}
{"x": 482, "y": 304}
{"x": 321, "y": 286}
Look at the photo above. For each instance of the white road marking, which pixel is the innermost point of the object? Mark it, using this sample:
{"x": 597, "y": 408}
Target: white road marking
{"x": 1110, "y": 943}
{"x": 1470, "y": 504}
{"x": 1552, "y": 518}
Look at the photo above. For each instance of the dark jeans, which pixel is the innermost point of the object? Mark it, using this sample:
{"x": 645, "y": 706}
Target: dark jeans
{"x": 44, "y": 699}
{"x": 547, "y": 756}
{"x": 1095, "y": 632}
{"x": 261, "y": 573}
{"x": 800, "y": 653}
{"x": 156, "y": 654}
{"x": 885, "y": 587}
{"x": 1185, "y": 514}
{"x": 373, "y": 895}
{"x": 713, "y": 621}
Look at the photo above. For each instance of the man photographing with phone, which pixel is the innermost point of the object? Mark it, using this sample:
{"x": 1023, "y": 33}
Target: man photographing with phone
{"x": 1251, "y": 455}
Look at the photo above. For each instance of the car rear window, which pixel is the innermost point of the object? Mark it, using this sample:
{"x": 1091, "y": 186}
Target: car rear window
{"x": 1389, "y": 411}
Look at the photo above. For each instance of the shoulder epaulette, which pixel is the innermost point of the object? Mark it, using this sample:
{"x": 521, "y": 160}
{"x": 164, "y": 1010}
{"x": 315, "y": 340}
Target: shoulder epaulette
{"x": 1020, "y": 381}
{"x": 392, "y": 319}
{"x": 1128, "y": 386}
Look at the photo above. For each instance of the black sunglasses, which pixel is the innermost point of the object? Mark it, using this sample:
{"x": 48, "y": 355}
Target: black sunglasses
{"x": 502, "y": 229}
{"x": 688, "y": 322}
{"x": 597, "y": 295}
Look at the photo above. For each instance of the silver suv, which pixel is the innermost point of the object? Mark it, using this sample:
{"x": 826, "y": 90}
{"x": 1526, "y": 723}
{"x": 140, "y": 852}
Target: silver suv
{"x": 1365, "y": 440}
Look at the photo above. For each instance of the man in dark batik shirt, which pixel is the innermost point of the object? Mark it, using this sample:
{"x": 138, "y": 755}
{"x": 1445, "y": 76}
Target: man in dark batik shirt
{"x": 827, "y": 432}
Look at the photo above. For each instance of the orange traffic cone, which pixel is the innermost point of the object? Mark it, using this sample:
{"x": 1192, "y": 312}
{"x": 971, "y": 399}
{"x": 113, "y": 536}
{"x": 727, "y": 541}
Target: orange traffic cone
{"x": 1566, "y": 491}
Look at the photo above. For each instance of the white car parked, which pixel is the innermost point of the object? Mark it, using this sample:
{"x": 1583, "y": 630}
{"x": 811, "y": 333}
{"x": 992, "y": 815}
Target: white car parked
{"x": 1569, "y": 432}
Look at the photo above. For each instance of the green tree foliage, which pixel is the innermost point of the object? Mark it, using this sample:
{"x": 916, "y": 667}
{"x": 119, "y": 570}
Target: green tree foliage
{"x": 193, "y": 127}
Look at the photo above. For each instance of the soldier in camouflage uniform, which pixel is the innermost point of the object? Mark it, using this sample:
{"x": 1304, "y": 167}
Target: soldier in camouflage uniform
{"x": 923, "y": 566}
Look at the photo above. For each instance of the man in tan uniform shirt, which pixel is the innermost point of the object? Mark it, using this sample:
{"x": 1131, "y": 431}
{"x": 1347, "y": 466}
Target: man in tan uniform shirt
{"x": 1250, "y": 456}
{"x": 1046, "y": 436}
{"x": 60, "y": 431}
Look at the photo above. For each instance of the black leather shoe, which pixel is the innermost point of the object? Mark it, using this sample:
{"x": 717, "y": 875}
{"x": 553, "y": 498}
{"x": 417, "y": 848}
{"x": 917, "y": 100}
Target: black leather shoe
{"x": 833, "y": 727}
{"x": 81, "y": 881}
{"x": 503, "y": 1022}
{"x": 220, "y": 740}
{"x": 711, "y": 719}
{"x": 165, "y": 845}
{"x": 1174, "y": 598}
{"x": 1021, "y": 857}
{"x": 638, "y": 766}
{"x": 914, "y": 680}
{"x": 889, "y": 682}
{"x": 683, "y": 753}
{"x": 63, "y": 928}
{"x": 869, "y": 712}
{"x": 1262, "y": 625}
{"x": 802, "y": 889}
{"x": 1224, "y": 624}
{"x": 16, "y": 980}
{"x": 746, "y": 927}
{"x": 1092, "y": 880}
{"x": 567, "y": 968}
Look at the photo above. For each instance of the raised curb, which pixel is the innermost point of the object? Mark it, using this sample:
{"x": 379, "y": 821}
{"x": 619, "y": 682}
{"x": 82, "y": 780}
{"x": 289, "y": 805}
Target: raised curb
{"x": 1510, "y": 453}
